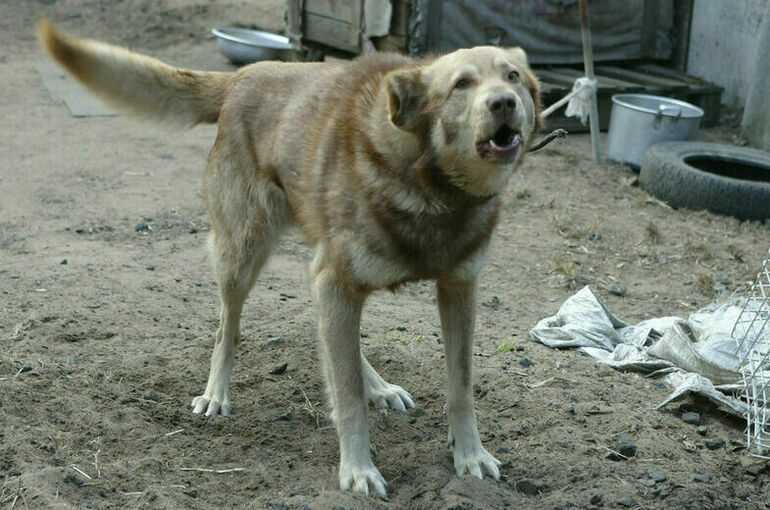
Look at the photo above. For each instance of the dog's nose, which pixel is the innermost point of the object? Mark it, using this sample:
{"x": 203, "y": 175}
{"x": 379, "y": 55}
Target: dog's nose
{"x": 502, "y": 104}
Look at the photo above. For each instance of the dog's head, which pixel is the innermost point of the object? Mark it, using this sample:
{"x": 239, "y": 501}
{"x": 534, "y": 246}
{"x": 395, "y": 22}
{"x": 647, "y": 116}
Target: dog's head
{"x": 478, "y": 108}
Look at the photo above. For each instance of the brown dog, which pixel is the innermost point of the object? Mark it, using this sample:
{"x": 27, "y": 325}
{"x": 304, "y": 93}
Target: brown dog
{"x": 393, "y": 169}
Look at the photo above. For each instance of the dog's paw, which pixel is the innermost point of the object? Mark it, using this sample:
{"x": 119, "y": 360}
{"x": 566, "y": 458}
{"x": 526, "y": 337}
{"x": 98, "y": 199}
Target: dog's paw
{"x": 391, "y": 396}
{"x": 365, "y": 479}
{"x": 212, "y": 406}
{"x": 472, "y": 458}
{"x": 476, "y": 462}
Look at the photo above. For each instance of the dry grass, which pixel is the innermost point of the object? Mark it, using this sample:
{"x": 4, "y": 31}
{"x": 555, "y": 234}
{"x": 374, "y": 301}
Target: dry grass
{"x": 652, "y": 233}
{"x": 523, "y": 194}
{"x": 565, "y": 267}
{"x": 315, "y": 410}
{"x": 507, "y": 345}
{"x": 571, "y": 228}
{"x": 570, "y": 161}
{"x": 704, "y": 282}
{"x": 567, "y": 272}
{"x": 736, "y": 253}
{"x": 701, "y": 251}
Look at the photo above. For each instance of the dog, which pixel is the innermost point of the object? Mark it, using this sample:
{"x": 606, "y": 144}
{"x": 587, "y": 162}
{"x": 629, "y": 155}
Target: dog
{"x": 392, "y": 168}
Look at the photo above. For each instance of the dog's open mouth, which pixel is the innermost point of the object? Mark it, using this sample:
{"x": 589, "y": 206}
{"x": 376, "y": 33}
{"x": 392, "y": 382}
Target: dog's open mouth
{"x": 505, "y": 143}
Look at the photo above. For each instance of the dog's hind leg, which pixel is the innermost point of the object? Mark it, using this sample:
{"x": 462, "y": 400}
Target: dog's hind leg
{"x": 381, "y": 393}
{"x": 235, "y": 277}
{"x": 239, "y": 249}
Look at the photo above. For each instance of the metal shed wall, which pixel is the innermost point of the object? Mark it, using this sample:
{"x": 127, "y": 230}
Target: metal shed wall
{"x": 548, "y": 29}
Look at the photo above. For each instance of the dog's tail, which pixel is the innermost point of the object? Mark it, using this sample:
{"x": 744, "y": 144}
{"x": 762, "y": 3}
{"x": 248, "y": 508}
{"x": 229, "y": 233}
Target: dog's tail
{"x": 136, "y": 83}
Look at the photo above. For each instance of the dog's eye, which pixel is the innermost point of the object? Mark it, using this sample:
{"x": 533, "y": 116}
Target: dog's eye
{"x": 463, "y": 83}
{"x": 513, "y": 76}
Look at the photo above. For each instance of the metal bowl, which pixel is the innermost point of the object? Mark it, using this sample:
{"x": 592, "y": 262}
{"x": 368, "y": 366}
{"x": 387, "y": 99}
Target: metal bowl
{"x": 244, "y": 46}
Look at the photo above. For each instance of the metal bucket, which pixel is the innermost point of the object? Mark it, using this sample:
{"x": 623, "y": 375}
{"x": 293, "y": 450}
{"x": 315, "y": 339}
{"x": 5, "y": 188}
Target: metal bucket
{"x": 639, "y": 120}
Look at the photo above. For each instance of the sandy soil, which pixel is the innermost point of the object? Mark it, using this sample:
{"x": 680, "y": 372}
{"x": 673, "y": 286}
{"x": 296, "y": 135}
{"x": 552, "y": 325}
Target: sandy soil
{"x": 108, "y": 307}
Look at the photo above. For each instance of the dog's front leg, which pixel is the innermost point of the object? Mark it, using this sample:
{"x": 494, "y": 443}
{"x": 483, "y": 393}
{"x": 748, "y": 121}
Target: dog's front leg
{"x": 457, "y": 307}
{"x": 339, "y": 325}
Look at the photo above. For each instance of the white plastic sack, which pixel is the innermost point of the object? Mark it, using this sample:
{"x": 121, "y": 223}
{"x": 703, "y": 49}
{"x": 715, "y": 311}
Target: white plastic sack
{"x": 713, "y": 358}
{"x": 688, "y": 382}
{"x": 582, "y": 321}
{"x": 692, "y": 355}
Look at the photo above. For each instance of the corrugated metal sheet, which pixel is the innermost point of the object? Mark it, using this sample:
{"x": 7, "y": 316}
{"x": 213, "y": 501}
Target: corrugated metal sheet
{"x": 548, "y": 29}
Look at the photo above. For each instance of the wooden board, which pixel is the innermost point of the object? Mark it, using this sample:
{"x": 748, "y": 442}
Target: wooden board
{"x": 650, "y": 81}
{"x": 333, "y": 23}
{"x": 640, "y": 78}
{"x": 331, "y": 32}
{"x": 349, "y": 12}
{"x": 555, "y": 78}
{"x": 605, "y": 82}
{"x": 399, "y": 23}
{"x": 79, "y": 101}
{"x": 547, "y": 88}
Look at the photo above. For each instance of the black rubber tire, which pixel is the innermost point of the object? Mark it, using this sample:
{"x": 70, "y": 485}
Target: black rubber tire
{"x": 666, "y": 175}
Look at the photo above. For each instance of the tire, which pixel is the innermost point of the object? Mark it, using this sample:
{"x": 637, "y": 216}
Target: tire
{"x": 724, "y": 179}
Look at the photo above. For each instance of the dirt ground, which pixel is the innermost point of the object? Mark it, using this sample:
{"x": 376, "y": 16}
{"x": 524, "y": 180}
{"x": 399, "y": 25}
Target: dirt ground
{"x": 108, "y": 308}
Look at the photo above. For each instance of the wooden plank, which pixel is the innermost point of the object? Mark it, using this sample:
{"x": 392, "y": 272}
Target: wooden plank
{"x": 572, "y": 124}
{"x": 604, "y": 81}
{"x": 665, "y": 72}
{"x": 79, "y": 100}
{"x": 399, "y": 24}
{"x": 650, "y": 15}
{"x": 334, "y": 33}
{"x": 693, "y": 83}
{"x": 548, "y": 88}
{"x": 294, "y": 20}
{"x": 341, "y": 10}
{"x": 559, "y": 121}
{"x": 555, "y": 77}
{"x": 395, "y": 43}
{"x": 709, "y": 102}
{"x": 646, "y": 79}
{"x": 699, "y": 92}
{"x": 683, "y": 10}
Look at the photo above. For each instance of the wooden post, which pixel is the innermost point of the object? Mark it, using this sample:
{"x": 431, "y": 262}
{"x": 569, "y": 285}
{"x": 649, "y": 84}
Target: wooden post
{"x": 294, "y": 22}
{"x": 588, "y": 63}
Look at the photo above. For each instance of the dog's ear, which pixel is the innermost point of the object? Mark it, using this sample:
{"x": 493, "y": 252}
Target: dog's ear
{"x": 533, "y": 84}
{"x": 519, "y": 57}
{"x": 407, "y": 93}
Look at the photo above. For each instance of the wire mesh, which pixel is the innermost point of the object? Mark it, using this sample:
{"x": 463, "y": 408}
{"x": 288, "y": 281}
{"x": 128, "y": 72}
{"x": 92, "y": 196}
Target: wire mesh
{"x": 751, "y": 333}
